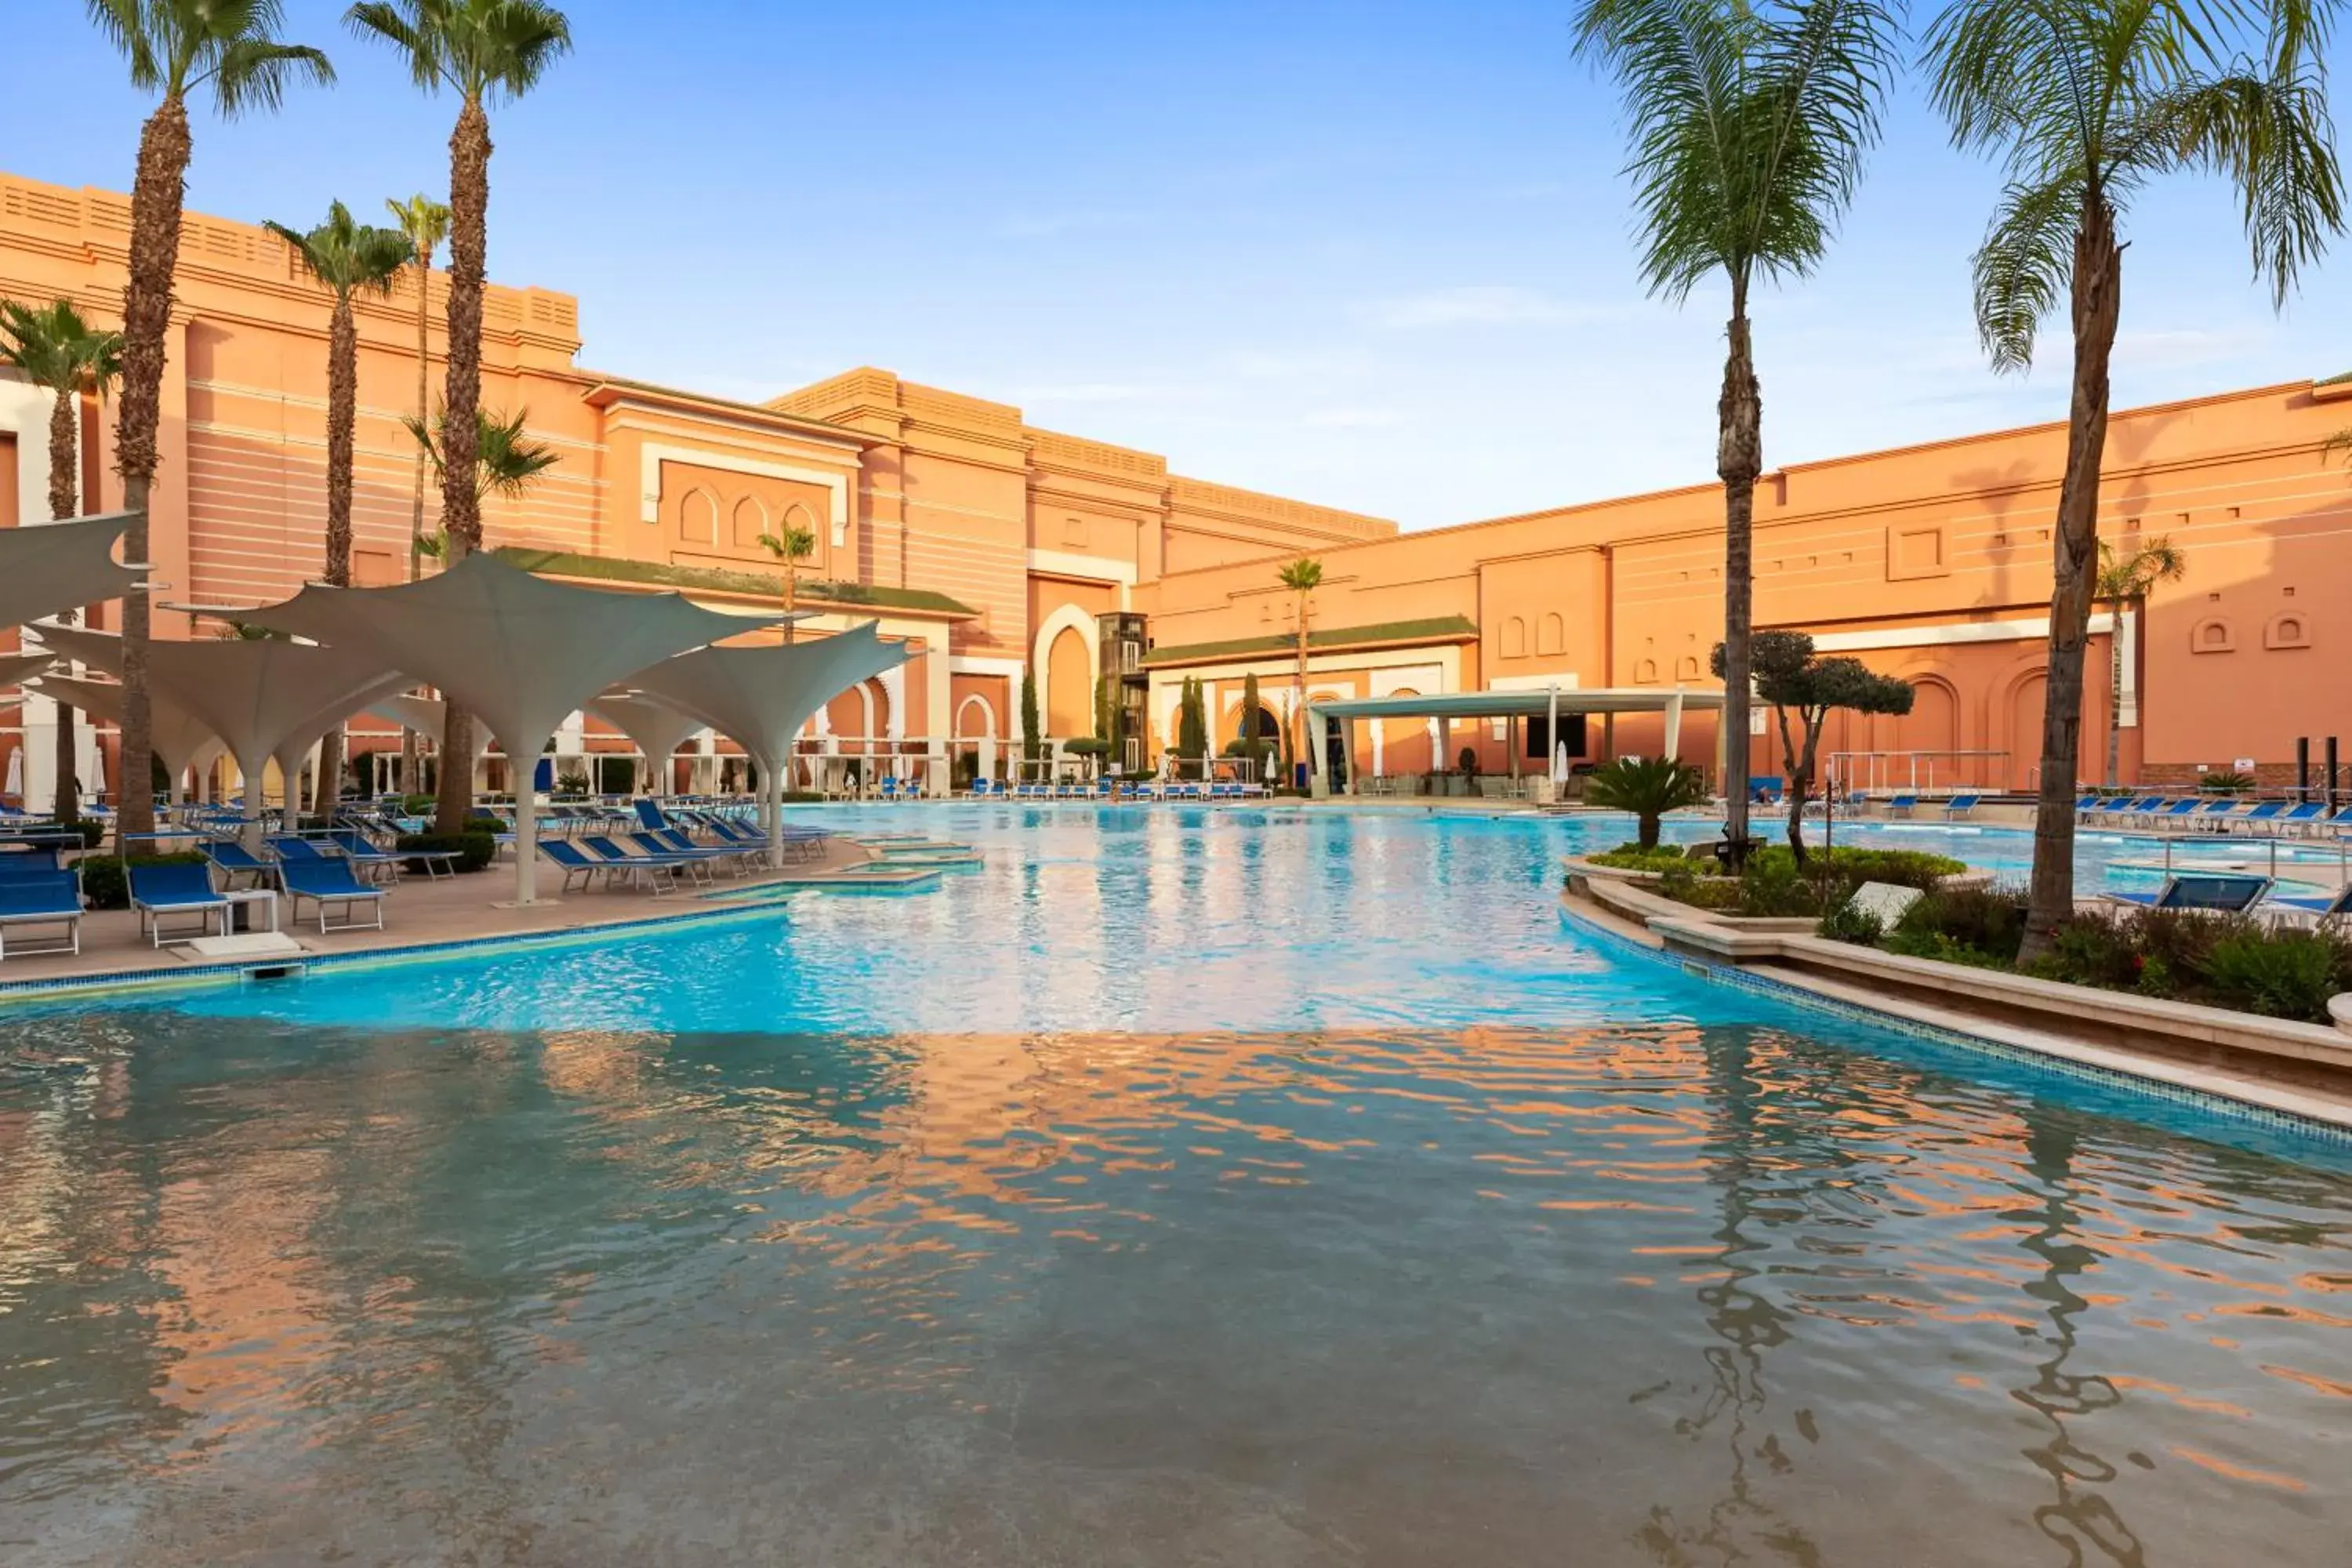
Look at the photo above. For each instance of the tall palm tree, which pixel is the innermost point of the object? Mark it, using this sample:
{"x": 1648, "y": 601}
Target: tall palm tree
{"x": 173, "y": 47}
{"x": 67, "y": 357}
{"x": 1746, "y": 123}
{"x": 1302, "y": 577}
{"x": 506, "y": 461}
{"x": 479, "y": 49}
{"x": 2086, "y": 101}
{"x": 2124, "y": 580}
{"x": 348, "y": 258}
{"x": 792, "y": 547}
{"x": 426, "y": 222}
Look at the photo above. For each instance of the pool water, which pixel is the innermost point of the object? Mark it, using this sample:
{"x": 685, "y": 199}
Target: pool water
{"x": 1178, "y": 1186}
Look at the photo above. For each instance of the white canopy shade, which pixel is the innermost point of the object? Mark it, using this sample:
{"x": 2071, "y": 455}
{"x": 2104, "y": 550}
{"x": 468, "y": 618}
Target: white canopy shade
{"x": 657, "y": 728}
{"x": 761, "y": 697}
{"x": 426, "y": 715}
{"x": 181, "y": 739}
{"x": 259, "y": 695}
{"x": 49, "y": 567}
{"x": 521, "y": 651}
{"x": 15, "y": 668}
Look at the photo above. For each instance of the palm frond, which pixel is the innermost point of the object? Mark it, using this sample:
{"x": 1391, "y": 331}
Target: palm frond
{"x": 123, "y": 23}
{"x": 57, "y": 350}
{"x": 2024, "y": 267}
{"x": 254, "y": 73}
{"x": 346, "y": 256}
{"x": 2271, "y": 138}
{"x": 478, "y": 48}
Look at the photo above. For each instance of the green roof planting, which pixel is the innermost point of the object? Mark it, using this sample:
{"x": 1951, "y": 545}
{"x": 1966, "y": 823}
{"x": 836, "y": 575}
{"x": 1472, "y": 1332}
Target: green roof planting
{"x": 1436, "y": 628}
{"x": 717, "y": 580}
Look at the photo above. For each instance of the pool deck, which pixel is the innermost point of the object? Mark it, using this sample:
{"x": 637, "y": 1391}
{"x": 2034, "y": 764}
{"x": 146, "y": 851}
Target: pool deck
{"x": 421, "y": 913}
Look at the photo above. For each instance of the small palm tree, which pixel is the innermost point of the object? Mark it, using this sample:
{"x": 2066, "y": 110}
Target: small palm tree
{"x": 1302, "y": 577}
{"x": 2087, "y": 101}
{"x": 1749, "y": 120}
{"x": 1649, "y": 787}
{"x": 63, "y": 354}
{"x": 173, "y": 47}
{"x": 2124, "y": 580}
{"x": 348, "y": 258}
{"x": 792, "y": 547}
{"x": 426, "y": 222}
{"x": 507, "y": 462}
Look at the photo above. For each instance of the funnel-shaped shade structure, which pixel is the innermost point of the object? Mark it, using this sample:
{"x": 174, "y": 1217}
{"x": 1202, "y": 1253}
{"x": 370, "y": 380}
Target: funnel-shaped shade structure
{"x": 762, "y": 696}
{"x": 15, "y": 668}
{"x": 657, "y": 728}
{"x": 47, "y": 568}
{"x": 426, "y": 715}
{"x": 182, "y": 740}
{"x": 520, "y": 651}
{"x": 263, "y": 697}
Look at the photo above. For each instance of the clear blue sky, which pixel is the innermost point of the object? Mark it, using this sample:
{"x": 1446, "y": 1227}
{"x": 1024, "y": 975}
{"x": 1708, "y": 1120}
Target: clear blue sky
{"x": 1373, "y": 255}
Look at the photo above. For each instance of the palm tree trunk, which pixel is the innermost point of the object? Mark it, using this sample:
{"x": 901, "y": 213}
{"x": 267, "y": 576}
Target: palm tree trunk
{"x": 342, "y": 417}
{"x": 416, "y": 498}
{"x": 2097, "y": 301}
{"x": 65, "y": 462}
{"x": 1740, "y": 457}
{"x": 461, "y": 402}
{"x": 2115, "y": 691}
{"x": 156, "y": 193}
{"x": 1298, "y": 703}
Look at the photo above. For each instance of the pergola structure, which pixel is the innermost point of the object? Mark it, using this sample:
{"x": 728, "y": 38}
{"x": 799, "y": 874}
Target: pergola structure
{"x": 1514, "y": 707}
{"x": 760, "y": 697}
{"x": 520, "y": 651}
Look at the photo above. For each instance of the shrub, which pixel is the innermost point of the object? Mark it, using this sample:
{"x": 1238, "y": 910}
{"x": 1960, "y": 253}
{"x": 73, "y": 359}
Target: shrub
{"x": 2225, "y": 782}
{"x": 106, "y": 884}
{"x": 1904, "y": 868}
{"x": 2283, "y": 973}
{"x": 2093, "y": 948}
{"x": 1770, "y": 886}
{"x": 1632, "y": 857}
{"x": 417, "y": 805}
{"x": 1986, "y": 924}
{"x": 1648, "y": 788}
{"x": 93, "y": 831}
{"x": 1848, "y": 922}
{"x": 475, "y": 851}
{"x": 1086, "y": 746}
{"x": 1677, "y": 881}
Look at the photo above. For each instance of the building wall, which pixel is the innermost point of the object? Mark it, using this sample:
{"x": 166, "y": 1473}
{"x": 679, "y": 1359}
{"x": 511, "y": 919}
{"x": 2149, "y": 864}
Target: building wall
{"x": 994, "y": 543}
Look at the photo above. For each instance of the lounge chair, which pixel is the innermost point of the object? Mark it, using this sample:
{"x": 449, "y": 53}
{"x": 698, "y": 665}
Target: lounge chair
{"x": 327, "y": 881}
{"x": 51, "y": 897}
{"x": 2211, "y": 893}
{"x": 2215, "y": 816}
{"x": 375, "y": 863}
{"x": 2310, "y": 814}
{"x": 577, "y": 864}
{"x": 677, "y": 843}
{"x": 36, "y": 860}
{"x": 1960, "y": 806}
{"x": 157, "y": 891}
{"x": 986, "y": 789}
{"x": 649, "y": 814}
{"x": 2260, "y": 812}
{"x": 651, "y": 870}
{"x": 2157, "y": 808}
{"x": 234, "y": 860}
{"x": 2334, "y": 906}
{"x": 1901, "y": 804}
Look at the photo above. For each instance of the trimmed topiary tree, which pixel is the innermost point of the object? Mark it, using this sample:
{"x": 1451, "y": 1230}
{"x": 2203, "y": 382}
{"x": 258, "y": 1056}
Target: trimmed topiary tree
{"x": 1793, "y": 681}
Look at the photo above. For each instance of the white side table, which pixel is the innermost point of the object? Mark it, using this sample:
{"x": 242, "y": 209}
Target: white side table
{"x": 247, "y": 907}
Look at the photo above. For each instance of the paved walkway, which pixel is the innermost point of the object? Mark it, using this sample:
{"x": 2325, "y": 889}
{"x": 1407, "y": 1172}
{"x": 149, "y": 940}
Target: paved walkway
{"x": 417, "y": 913}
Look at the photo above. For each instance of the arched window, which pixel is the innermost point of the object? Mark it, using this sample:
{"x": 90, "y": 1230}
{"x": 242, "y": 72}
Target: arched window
{"x": 2211, "y": 635}
{"x": 2287, "y": 631}
{"x": 697, "y": 517}
{"x": 1645, "y": 671}
{"x": 750, "y": 520}
{"x": 1552, "y": 633}
{"x": 1513, "y": 637}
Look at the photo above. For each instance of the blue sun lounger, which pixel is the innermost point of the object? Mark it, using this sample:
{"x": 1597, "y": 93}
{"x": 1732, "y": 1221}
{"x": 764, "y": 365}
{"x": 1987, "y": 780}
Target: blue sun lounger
{"x": 329, "y": 881}
{"x": 235, "y": 860}
{"x": 651, "y": 870}
{"x": 1960, "y": 806}
{"x": 2210, "y": 893}
{"x": 157, "y": 891}
{"x": 2314, "y": 907}
{"x": 577, "y": 864}
{"x": 45, "y": 898}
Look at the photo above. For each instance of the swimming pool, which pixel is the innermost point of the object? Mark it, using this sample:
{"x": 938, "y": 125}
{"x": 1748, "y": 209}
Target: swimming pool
{"x": 1233, "y": 1185}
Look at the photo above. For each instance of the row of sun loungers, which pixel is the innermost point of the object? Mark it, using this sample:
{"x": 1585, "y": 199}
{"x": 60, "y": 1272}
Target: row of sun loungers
{"x": 2236, "y": 894}
{"x": 2213, "y": 813}
{"x": 1113, "y": 790}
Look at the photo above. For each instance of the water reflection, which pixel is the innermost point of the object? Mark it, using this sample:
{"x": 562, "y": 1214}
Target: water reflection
{"x": 1679, "y": 1295}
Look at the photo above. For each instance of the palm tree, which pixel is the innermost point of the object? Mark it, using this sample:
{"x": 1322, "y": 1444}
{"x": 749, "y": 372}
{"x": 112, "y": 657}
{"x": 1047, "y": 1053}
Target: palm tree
{"x": 349, "y": 258}
{"x": 426, "y": 222}
{"x": 173, "y": 47}
{"x": 1302, "y": 577}
{"x": 65, "y": 355}
{"x": 2124, "y": 580}
{"x": 2087, "y": 100}
{"x": 507, "y": 462}
{"x": 792, "y": 547}
{"x": 478, "y": 49}
{"x": 1748, "y": 121}
{"x": 1648, "y": 788}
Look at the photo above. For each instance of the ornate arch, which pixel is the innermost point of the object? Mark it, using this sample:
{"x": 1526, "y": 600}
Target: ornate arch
{"x": 1069, "y": 617}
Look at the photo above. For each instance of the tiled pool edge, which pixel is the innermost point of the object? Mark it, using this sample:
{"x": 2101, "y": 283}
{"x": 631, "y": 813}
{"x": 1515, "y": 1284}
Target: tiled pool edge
{"x": 2148, "y": 1083}
{"x": 232, "y": 972}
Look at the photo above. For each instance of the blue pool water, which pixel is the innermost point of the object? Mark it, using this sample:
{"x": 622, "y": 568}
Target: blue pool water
{"x": 1230, "y": 1186}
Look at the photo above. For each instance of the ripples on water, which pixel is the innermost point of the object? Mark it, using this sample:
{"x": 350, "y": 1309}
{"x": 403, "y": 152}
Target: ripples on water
{"x": 1637, "y": 1294}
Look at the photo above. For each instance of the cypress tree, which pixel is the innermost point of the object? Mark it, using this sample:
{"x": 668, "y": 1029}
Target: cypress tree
{"x": 1033, "y": 743}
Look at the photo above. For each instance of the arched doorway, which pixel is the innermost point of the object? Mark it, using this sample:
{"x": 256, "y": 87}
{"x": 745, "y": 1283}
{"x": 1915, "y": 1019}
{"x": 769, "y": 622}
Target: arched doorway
{"x": 2027, "y": 701}
{"x": 975, "y": 734}
{"x": 1069, "y": 686}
